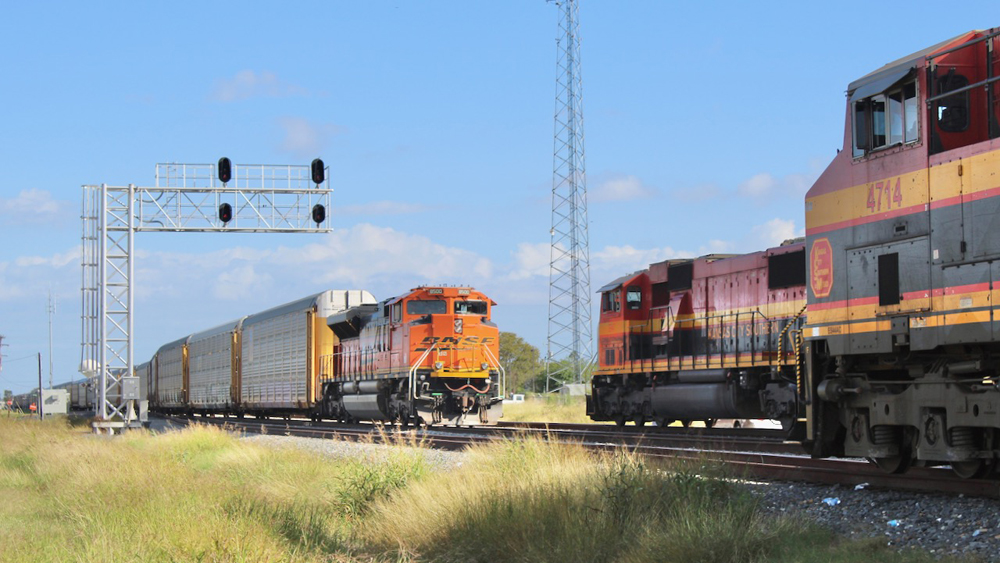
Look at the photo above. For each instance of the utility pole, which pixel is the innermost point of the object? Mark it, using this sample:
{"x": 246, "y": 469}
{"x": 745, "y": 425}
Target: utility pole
{"x": 41, "y": 413}
{"x": 569, "y": 352}
{"x": 52, "y": 310}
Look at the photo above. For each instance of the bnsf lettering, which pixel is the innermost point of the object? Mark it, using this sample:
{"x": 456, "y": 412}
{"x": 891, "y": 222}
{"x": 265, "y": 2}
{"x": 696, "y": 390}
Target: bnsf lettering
{"x": 445, "y": 343}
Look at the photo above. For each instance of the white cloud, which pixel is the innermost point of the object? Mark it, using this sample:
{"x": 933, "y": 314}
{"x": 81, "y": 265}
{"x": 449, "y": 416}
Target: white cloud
{"x": 32, "y": 206}
{"x": 621, "y": 188}
{"x": 775, "y": 231}
{"x": 758, "y": 186}
{"x": 366, "y": 252}
{"x": 32, "y": 277}
{"x": 54, "y": 261}
{"x": 716, "y": 246}
{"x": 249, "y": 84}
{"x": 531, "y": 259}
{"x": 625, "y": 259}
{"x": 303, "y": 138}
{"x": 381, "y": 208}
{"x": 765, "y": 185}
{"x": 241, "y": 283}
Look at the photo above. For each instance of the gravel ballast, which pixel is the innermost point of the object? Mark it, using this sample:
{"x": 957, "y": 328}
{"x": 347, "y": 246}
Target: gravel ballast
{"x": 940, "y": 524}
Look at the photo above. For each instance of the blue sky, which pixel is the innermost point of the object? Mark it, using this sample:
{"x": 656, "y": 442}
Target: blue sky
{"x": 705, "y": 125}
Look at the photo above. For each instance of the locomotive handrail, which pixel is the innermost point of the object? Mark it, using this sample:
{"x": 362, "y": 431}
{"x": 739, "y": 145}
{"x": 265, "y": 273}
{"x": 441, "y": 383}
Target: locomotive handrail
{"x": 963, "y": 46}
{"x": 962, "y": 90}
{"x": 503, "y": 372}
{"x": 781, "y": 337}
{"x": 413, "y": 370}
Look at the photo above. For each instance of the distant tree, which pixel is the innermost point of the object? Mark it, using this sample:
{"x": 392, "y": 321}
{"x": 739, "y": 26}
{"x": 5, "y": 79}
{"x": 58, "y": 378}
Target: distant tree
{"x": 519, "y": 359}
{"x": 562, "y": 373}
{"x": 7, "y": 395}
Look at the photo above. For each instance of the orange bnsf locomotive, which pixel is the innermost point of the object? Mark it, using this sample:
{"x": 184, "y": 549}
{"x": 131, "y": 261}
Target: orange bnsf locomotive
{"x": 428, "y": 356}
{"x": 895, "y": 356}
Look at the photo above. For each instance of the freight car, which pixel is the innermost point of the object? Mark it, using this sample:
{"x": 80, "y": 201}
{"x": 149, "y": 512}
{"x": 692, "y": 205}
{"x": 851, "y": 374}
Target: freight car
{"x": 341, "y": 355}
{"x": 263, "y": 364}
{"x": 895, "y": 355}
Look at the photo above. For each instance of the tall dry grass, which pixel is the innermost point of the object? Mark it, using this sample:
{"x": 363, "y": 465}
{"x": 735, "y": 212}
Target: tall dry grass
{"x": 203, "y": 495}
{"x": 529, "y": 500}
{"x": 195, "y": 495}
{"x": 548, "y": 408}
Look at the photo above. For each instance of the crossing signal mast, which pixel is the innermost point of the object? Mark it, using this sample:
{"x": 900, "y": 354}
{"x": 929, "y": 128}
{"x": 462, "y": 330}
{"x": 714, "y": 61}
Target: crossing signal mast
{"x": 569, "y": 353}
{"x": 185, "y": 198}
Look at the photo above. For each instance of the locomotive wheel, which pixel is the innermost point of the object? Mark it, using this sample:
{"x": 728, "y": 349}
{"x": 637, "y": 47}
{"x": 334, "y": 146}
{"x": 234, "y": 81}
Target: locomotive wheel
{"x": 896, "y": 464}
{"x": 620, "y": 420}
{"x": 639, "y": 420}
{"x": 686, "y": 423}
{"x": 663, "y": 422}
{"x": 971, "y": 469}
{"x": 709, "y": 422}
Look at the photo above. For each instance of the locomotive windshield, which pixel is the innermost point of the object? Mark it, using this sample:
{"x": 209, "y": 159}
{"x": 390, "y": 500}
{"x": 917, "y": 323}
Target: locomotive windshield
{"x": 463, "y": 307}
{"x": 426, "y": 307}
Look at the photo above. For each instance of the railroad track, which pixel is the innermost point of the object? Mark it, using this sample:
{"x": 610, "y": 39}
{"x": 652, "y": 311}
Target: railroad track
{"x": 750, "y": 454}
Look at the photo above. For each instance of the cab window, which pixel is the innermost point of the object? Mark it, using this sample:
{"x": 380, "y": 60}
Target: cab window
{"x": 465, "y": 307}
{"x": 426, "y": 307}
{"x": 633, "y": 298}
{"x": 886, "y": 120}
{"x": 611, "y": 301}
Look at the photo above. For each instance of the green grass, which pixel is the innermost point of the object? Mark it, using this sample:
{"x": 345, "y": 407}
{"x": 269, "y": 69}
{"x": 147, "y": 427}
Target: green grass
{"x": 202, "y": 495}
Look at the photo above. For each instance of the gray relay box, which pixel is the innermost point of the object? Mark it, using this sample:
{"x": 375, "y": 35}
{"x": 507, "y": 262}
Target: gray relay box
{"x": 130, "y": 388}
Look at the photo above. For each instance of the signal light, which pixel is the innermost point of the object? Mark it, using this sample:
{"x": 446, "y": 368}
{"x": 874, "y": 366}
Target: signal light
{"x": 318, "y": 172}
{"x": 225, "y": 213}
{"x": 225, "y": 170}
{"x": 319, "y": 213}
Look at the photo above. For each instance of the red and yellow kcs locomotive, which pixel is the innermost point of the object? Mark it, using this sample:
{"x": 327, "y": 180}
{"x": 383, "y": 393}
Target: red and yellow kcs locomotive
{"x": 895, "y": 355}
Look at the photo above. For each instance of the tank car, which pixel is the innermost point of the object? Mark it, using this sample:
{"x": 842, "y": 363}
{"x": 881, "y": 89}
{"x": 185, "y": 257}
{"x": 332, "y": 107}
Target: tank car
{"x": 427, "y": 356}
{"x": 702, "y": 339}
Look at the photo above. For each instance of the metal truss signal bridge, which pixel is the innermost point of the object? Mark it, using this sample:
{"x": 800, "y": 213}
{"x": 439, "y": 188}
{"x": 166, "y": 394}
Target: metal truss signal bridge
{"x": 186, "y": 198}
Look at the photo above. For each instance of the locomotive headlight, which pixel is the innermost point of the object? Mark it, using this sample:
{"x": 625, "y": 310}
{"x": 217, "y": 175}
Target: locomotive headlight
{"x": 438, "y": 365}
{"x": 488, "y": 381}
{"x": 484, "y": 366}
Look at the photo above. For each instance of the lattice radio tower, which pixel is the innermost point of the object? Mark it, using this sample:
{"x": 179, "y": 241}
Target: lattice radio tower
{"x": 570, "y": 337}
